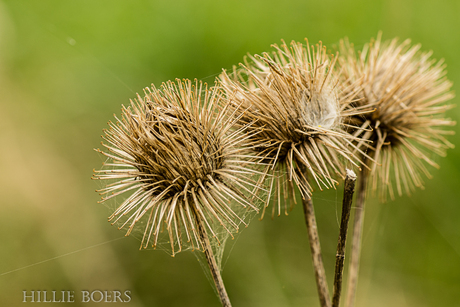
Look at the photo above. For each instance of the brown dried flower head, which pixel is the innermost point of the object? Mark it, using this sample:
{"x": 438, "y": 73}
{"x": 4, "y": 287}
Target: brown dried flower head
{"x": 292, "y": 97}
{"x": 408, "y": 91}
{"x": 176, "y": 154}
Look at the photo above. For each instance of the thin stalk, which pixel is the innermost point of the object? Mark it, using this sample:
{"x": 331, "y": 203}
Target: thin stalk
{"x": 357, "y": 238}
{"x": 318, "y": 266}
{"x": 215, "y": 272}
{"x": 348, "y": 192}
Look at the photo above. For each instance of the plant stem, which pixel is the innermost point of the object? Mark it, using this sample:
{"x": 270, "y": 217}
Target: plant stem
{"x": 357, "y": 238}
{"x": 320, "y": 273}
{"x": 348, "y": 191}
{"x": 213, "y": 267}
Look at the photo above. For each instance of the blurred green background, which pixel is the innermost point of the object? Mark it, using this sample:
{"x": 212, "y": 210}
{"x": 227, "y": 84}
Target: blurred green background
{"x": 67, "y": 66}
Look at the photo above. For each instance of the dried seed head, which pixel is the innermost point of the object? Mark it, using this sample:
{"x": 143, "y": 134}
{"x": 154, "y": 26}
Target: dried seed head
{"x": 177, "y": 154}
{"x": 292, "y": 98}
{"x": 409, "y": 91}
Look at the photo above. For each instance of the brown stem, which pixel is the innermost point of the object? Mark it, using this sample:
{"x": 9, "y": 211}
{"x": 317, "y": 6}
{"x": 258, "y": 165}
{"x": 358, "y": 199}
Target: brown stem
{"x": 348, "y": 191}
{"x": 357, "y": 238}
{"x": 215, "y": 272}
{"x": 320, "y": 273}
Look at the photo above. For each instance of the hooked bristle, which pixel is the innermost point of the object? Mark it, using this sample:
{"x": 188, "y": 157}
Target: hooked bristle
{"x": 293, "y": 101}
{"x": 407, "y": 91}
{"x": 183, "y": 160}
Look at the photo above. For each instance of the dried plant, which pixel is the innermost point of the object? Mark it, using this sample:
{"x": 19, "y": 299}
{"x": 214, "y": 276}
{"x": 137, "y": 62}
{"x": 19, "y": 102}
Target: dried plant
{"x": 409, "y": 92}
{"x": 188, "y": 170}
{"x": 293, "y": 97}
{"x": 348, "y": 191}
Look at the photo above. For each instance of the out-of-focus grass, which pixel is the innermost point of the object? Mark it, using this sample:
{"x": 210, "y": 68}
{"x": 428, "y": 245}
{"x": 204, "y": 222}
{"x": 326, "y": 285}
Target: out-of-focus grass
{"x": 66, "y": 66}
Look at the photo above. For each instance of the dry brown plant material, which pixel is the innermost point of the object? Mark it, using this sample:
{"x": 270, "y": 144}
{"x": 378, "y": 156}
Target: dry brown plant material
{"x": 408, "y": 91}
{"x": 186, "y": 172}
{"x": 177, "y": 153}
{"x": 293, "y": 97}
{"x": 348, "y": 191}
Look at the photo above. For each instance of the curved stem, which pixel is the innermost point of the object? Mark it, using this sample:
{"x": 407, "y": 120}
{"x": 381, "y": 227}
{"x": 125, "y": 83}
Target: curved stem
{"x": 348, "y": 192}
{"x": 320, "y": 273}
{"x": 213, "y": 267}
{"x": 357, "y": 238}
